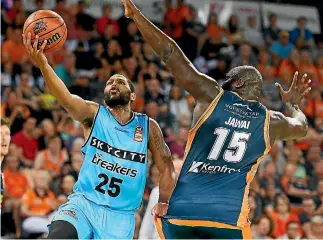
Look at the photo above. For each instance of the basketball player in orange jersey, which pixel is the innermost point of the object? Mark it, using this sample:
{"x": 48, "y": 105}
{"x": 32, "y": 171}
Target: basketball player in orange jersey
{"x": 231, "y": 133}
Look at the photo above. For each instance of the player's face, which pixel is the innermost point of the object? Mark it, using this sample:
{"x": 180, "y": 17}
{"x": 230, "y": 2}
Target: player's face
{"x": 117, "y": 92}
{"x": 5, "y": 140}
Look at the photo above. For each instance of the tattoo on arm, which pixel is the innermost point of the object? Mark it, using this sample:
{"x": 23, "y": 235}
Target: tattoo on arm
{"x": 161, "y": 147}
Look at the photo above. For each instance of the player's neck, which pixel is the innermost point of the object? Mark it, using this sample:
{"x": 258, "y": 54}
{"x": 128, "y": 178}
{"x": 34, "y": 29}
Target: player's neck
{"x": 121, "y": 113}
{"x": 247, "y": 96}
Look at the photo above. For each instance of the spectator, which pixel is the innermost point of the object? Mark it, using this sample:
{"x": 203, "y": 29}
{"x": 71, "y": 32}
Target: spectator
{"x": 289, "y": 66}
{"x": 148, "y": 229}
{"x": 213, "y": 28}
{"x": 307, "y": 66}
{"x": 103, "y": 22}
{"x": 308, "y": 209}
{"x": 234, "y": 32}
{"x": 178, "y": 104}
{"x": 263, "y": 228}
{"x": 48, "y": 130}
{"x": 164, "y": 119}
{"x": 16, "y": 184}
{"x": 318, "y": 174}
{"x": 13, "y": 48}
{"x": 314, "y": 105}
{"x": 67, "y": 185}
{"x": 245, "y": 57}
{"x": 77, "y": 161}
{"x": 253, "y": 35}
{"x": 213, "y": 47}
{"x": 26, "y": 142}
{"x": 15, "y": 112}
{"x": 37, "y": 204}
{"x": 67, "y": 71}
{"x": 316, "y": 228}
{"x": 84, "y": 20}
{"x": 318, "y": 198}
{"x": 283, "y": 47}
{"x": 153, "y": 93}
{"x": 271, "y": 33}
{"x": 282, "y": 215}
{"x": 293, "y": 231}
{"x": 52, "y": 158}
{"x": 177, "y": 145}
{"x": 319, "y": 65}
{"x": 81, "y": 88}
{"x": 301, "y": 36}
{"x": 270, "y": 92}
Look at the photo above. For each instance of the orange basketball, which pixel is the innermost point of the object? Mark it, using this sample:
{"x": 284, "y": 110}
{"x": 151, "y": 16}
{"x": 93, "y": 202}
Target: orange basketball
{"x": 49, "y": 26}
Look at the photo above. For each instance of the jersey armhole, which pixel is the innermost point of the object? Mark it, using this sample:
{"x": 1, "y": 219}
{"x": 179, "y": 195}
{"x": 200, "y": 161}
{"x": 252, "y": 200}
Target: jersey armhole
{"x": 266, "y": 131}
{"x": 207, "y": 112}
{"x": 91, "y": 130}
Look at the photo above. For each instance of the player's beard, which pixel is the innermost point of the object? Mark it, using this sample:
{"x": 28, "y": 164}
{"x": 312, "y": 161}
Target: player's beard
{"x": 122, "y": 100}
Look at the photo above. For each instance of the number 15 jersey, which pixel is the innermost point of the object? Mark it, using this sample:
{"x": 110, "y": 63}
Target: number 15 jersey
{"x": 222, "y": 154}
{"x": 115, "y": 161}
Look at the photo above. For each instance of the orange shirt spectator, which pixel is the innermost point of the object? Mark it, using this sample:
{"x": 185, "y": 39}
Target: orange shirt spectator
{"x": 282, "y": 215}
{"x": 314, "y": 105}
{"x": 290, "y": 65}
{"x": 213, "y": 28}
{"x": 53, "y": 157}
{"x": 13, "y": 48}
{"x": 174, "y": 18}
{"x": 15, "y": 182}
{"x": 320, "y": 68}
{"x": 37, "y": 205}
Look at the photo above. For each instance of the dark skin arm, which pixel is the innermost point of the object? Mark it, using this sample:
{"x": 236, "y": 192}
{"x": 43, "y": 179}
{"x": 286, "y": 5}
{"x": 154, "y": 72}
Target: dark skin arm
{"x": 296, "y": 125}
{"x": 203, "y": 88}
{"x": 163, "y": 159}
{"x": 79, "y": 109}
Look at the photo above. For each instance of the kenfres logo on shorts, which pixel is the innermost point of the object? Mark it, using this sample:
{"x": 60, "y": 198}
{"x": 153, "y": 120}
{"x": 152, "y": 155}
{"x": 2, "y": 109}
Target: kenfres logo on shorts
{"x": 202, "y": 167}
{"x": 113, "y": 167}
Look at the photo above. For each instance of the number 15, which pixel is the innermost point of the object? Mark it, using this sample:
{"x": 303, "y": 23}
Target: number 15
{"x": 235, "y": 150}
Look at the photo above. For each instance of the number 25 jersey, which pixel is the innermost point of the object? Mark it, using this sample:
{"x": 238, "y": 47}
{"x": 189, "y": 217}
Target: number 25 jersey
{"x": 115, "y": 161}
{"x": 222, "y": 154}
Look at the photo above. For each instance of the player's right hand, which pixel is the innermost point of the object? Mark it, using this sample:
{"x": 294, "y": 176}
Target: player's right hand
{"x": 36, "y": 55}
{"x": 160, "y": 209}
{"x": 129, "y": 8}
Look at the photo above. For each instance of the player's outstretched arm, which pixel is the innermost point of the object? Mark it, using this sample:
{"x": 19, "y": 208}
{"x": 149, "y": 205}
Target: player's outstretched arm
{"x": 203, "y": 88}
{"x": 163, "y": 159}
{"x": 295, "y": 126}
{"x": 79, "y": 109}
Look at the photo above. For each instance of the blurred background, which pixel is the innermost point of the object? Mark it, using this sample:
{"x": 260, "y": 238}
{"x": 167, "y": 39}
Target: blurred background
{"x": 277, "y": 37}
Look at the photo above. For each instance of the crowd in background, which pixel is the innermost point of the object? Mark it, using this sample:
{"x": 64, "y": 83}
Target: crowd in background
{"x": 44, "y": 160}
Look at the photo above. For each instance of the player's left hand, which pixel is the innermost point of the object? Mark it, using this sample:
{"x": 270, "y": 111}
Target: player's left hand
{"x": 297, "y": 91}
{"x": 160, "y": 209}
{"x": 129, "y": 7}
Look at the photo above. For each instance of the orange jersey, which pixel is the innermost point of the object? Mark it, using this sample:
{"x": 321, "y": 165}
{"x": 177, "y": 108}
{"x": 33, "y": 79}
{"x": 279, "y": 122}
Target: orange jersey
{"x": 15, "y": 184}
{"x": 36, "y": 204}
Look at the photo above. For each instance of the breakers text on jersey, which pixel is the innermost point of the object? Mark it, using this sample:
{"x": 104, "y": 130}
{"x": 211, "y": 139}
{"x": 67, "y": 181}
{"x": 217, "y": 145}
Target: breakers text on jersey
{"x": 202, "y": 167}
{"x": 119, "y": 153}
{"x": 116, "y": 168}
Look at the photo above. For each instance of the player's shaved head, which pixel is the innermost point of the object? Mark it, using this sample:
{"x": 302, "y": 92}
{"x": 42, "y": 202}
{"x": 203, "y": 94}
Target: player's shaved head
{"x": 244, "y": 80}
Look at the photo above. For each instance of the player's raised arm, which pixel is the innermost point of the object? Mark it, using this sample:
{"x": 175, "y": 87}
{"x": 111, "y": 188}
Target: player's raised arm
{"x": 202, "y": 87}
{"x": 163, "y": 160}
{"x": 79, "y": 109}
{"x": 295, "y": 126}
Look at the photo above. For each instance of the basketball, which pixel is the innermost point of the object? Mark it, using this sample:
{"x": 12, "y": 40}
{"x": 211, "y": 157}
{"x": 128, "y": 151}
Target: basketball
{"x": 49, "y": 26}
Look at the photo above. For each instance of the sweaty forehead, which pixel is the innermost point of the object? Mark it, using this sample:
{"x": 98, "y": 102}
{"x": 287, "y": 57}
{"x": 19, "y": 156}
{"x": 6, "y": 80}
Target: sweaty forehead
{"x": 118, "y": 77}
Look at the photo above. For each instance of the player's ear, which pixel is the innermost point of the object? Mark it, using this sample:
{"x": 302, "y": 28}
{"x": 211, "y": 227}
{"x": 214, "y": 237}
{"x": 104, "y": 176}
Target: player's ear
{"x": 132, "y": 97}
{"x": 238, "y": 83}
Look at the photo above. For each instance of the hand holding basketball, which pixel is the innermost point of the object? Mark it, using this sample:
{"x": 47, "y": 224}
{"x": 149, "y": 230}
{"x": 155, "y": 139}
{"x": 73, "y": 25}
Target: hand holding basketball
{"x": 36, "y": 55}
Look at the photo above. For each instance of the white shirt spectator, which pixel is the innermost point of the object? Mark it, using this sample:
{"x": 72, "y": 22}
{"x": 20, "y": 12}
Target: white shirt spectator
{"x": 148, "y": 229}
